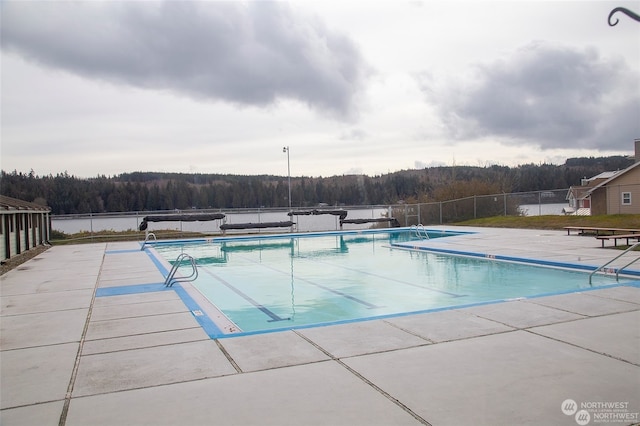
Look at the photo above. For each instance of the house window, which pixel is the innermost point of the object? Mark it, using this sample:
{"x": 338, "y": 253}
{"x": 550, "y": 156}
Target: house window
{"x": 626, "y": 198}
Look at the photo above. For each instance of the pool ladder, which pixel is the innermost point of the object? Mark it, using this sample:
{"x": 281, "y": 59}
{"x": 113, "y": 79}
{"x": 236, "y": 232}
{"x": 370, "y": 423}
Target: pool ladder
{"x": 147, "y": 238}
{"x": 630, "y": 248}
{"x": 171, "y": 279}
{"x": 420, "y": 231}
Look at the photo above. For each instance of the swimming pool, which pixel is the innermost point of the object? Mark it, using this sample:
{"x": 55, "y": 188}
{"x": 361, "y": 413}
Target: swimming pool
{"x": 282, "y": 282}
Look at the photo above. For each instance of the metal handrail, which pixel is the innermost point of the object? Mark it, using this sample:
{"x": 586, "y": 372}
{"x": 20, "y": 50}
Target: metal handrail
{"x": 424, "y": 235}
{"x": 146, "y": 240}
{"x": 630, "y": 248}
{"x": 630, "y": 263}
{"x": 171, "y": 280}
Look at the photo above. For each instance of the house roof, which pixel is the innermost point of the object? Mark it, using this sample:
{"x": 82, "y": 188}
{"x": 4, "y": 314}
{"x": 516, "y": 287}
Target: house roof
{"x": 614, "y": 177}
{"x": 604, "y": 175}
{"x": 8, "y": 203}
{"x": 578, "y": 192}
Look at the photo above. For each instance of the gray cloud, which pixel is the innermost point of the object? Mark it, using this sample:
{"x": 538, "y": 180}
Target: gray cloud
{"x": 549, "y": 96}
{"x": 252, "y": 53}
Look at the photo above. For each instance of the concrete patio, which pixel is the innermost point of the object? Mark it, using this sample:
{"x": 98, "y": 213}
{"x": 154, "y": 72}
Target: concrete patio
{"x": 71, "y": 358}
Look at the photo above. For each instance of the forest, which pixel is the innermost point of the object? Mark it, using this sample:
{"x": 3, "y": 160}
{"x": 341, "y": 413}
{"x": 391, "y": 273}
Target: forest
{"x": 148, "y": 191}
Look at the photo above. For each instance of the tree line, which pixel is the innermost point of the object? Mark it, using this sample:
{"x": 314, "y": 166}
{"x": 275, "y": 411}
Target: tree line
{"x": 147, "y": 191}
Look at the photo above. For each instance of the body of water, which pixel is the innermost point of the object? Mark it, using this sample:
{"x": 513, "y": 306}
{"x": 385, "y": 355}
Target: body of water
{"x": 543, "y": 209}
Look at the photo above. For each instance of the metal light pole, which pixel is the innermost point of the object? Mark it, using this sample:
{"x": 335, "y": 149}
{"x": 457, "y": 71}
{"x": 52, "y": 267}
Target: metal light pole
{"x": 286, "y": 149}
{"x": 624, "y": 10}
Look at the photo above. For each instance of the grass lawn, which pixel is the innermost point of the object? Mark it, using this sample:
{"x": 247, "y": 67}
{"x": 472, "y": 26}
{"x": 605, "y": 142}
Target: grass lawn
{"x": 624, "y": 221}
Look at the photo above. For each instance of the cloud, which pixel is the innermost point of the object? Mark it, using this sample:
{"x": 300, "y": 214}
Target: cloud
{"x": 544, "y": 95}
{"x": 417, "y": 164}
{"x": 353, "y": 135}
{"x": 252, "y": 53}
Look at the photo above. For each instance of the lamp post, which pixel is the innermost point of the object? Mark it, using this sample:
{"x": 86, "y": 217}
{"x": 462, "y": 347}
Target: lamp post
{"x": 286, "y": 149}
{"x": 624, "y": 10}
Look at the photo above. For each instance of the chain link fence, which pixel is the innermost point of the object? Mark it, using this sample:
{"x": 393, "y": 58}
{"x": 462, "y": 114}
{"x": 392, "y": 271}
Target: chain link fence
{"x": 441, "y": 212}
{"x": 480, "y": 206}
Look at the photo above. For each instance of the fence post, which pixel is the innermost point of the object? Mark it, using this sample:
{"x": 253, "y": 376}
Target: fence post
{"x": 505, "y": 202}
{"x": 440, "y": 212}
{"x": 539, "y": 203}
{"x": 475, "y": 216}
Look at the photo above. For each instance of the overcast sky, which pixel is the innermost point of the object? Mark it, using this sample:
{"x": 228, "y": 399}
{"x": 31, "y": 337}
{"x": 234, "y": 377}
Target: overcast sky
{"x": 350, "y": 86}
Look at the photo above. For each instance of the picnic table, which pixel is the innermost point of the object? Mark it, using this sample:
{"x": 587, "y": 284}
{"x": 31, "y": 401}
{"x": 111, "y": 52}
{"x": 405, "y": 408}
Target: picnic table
{"x": 600, "y": 230}
{"x": 617, "y": 237}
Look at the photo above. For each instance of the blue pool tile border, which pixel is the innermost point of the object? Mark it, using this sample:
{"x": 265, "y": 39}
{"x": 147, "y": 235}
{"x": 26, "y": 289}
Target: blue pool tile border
{"x": 199, "y": 315}
{"x": 537, "y": 262}
{"x": 130, "y": 289}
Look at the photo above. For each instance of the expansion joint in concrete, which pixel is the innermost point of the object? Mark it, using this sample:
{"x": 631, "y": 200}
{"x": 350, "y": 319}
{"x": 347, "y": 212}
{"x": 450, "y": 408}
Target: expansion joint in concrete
{"x": 367, "y": 381}
{"x": 74, "y": 372}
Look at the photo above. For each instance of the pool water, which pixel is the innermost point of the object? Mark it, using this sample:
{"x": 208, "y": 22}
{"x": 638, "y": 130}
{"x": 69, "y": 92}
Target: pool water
{"x": 287, "y": 282}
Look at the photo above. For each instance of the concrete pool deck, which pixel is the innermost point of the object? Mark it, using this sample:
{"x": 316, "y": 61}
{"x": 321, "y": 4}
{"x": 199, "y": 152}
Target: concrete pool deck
{"x": 71, "y": 358}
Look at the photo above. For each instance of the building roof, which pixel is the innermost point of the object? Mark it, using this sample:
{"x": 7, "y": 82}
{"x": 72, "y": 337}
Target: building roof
{"x": 598, "y": 181}
{"x": 614, "y": 177}
{"x": 604, "y": 175}
{"x": 578, "y": 192}
{"x": 8, "y": 203}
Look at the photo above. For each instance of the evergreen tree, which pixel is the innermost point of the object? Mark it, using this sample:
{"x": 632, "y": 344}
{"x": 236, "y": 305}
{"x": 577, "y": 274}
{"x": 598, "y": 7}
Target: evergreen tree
{"x": 140, "y": 191}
